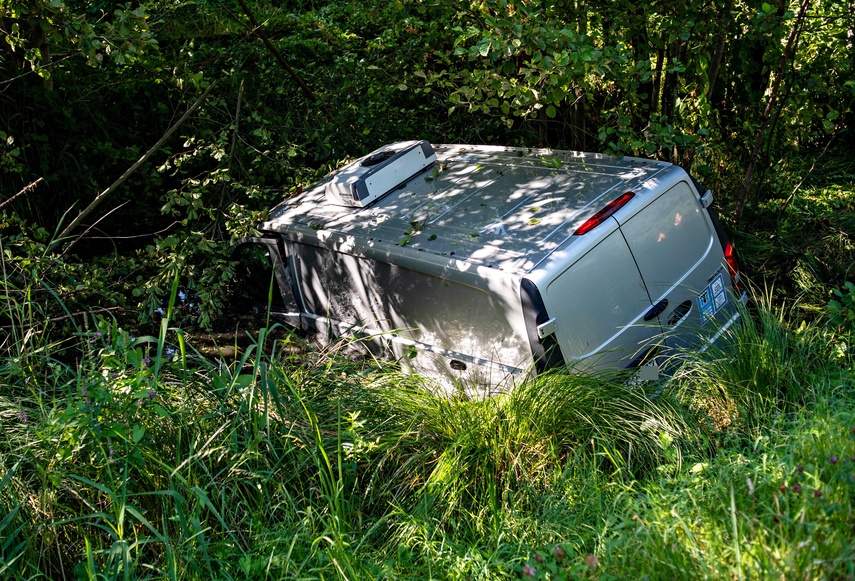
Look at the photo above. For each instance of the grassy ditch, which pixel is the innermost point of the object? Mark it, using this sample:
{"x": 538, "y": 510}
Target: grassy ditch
{"x": 136, "y": 457}
{"x": 145, "y": 460}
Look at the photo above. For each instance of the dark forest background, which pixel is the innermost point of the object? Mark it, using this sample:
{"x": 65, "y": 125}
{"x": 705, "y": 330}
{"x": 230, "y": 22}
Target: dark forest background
{"x": 748, "y": 95}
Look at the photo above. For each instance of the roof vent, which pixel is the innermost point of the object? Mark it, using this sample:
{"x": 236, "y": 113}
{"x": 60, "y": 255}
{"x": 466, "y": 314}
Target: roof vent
{"x": 378, "y": 173}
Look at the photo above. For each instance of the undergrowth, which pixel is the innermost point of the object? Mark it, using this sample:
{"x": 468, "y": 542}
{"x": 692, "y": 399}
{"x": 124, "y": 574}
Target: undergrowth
{"x": 138, "y": 458}
{"x": 128, "y": 456}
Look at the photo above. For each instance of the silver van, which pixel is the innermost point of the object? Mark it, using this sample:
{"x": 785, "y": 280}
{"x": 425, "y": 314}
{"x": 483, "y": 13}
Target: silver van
{"x": 483, "y": 263}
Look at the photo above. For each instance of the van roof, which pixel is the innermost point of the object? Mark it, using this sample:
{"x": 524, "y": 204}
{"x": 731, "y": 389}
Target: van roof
{"x": 501, "y": 207}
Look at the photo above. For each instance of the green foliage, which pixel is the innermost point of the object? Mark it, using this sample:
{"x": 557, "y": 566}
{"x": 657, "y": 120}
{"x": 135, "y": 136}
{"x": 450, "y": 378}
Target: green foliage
{"x": 9, "y": 154}
{"x": 142, "y": 458}
{"x": 772, "y": 509}
{"x": 841, "y": 311}
{"x": 34, "y": 31}
{"x": 799, "y": 240}
{"x": 125, "y": 456}
{"x": 764, "y": 366}
{"x": 43, "y": 291}
{"x": 652, "y": 80}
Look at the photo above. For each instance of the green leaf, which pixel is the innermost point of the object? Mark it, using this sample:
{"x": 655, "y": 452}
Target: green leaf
{"x": 550, "y": 161}
{"x": 138, "y": 433}
{"x": 484, "y": 47}
{"x": 551, "y": 112}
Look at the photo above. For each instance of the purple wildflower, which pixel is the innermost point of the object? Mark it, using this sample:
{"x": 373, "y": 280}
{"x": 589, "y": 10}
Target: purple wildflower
{"x": 95, "y": 337}
{"x": 528, "y": 571}
{"x": 151, "y": 394}
{"x": 592, "y": 562}
{"x": 23, "y": 417}
{"x": 833, "y": 459}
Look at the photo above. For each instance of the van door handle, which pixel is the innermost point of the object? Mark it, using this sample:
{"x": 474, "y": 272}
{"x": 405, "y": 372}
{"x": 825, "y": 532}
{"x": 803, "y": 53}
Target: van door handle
{"x": 681, "y": 312}
{"x": 546, "y": 329}
{"x": 656, "y": 310}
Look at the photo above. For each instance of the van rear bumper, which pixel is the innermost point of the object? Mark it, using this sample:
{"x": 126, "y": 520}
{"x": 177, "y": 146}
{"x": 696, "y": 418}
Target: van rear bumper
{"x": 730, "y": 322}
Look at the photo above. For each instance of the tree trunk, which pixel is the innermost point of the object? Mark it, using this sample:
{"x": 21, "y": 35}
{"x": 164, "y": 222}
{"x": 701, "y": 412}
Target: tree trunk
{"x": 578, "y": 116}
{"x": 764, "y": 121}
{"x": 723, "y": 23}
{"x": 579, "y": 124}
{"x": 669, "y": 87}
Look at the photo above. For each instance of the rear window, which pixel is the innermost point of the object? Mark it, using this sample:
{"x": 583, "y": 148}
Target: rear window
{"x": 668, "y": 238}
{"x": 597, "y": 297}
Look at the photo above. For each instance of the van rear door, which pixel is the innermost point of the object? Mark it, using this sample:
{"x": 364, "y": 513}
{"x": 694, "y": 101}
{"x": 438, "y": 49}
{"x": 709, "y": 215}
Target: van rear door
{"x": 676, "y": 248}
{"x": 598, "y": 304}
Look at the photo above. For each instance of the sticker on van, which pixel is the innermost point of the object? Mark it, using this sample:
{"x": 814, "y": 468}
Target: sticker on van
{"x": 712, "y": 299}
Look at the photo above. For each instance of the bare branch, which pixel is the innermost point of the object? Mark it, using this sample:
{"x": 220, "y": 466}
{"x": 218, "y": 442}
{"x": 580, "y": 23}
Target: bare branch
{"x": 30, "y": 187}
{"x": 85, "y": 232}
{"x": 115, "y": 185}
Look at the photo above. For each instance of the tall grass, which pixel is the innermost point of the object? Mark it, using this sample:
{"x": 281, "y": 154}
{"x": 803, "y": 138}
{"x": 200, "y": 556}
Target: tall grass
{"x": 135, "y": 457}
{"x": 766, "y": 365}
{"x": 779, "y": 508}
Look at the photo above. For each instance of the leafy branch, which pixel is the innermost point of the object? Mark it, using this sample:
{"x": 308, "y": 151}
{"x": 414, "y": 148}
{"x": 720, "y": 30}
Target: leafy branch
{"x": 115, "y": 185}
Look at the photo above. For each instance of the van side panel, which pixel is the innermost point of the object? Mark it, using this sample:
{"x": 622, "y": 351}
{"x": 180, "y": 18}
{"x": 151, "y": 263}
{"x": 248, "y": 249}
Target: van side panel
{"x": 599, "y": 304}
{"x": 404, "y": 304}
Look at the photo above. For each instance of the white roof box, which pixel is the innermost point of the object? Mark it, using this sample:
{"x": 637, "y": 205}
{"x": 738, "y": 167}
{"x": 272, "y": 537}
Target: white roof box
{"x": 378, "y": 173}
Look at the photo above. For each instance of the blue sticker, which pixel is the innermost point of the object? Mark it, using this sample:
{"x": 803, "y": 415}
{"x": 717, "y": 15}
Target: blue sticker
{"x": 712, "y": 299}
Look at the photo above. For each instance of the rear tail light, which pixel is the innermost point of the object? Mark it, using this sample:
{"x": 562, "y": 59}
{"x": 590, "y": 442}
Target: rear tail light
{"x": 604, "y": 214}
{"x": 733, "y": 267}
